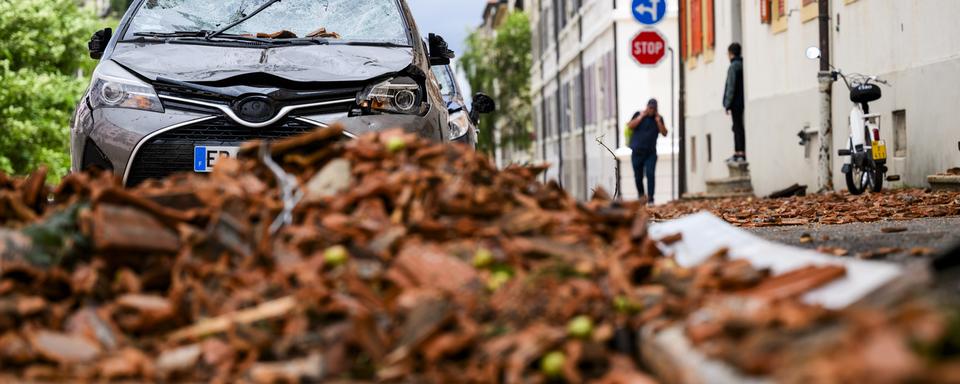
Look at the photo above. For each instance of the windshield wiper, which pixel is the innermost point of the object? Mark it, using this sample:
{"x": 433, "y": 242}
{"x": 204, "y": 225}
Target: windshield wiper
{"x": 374, "y": 44}
{"x": 205, "y": 34}
{"x": 242, "y": 19}
{"x": 200, "y": 33}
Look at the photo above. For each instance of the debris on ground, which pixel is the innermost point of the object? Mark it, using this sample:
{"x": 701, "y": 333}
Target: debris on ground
{"x": 894, "y": 229}
{"x": 389, "y": 259}
{"x": 832, "y": 208}
{"x": 791, "y": 191}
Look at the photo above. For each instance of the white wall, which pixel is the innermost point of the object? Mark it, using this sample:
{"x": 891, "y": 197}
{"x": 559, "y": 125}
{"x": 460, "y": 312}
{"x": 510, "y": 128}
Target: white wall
{"x": 912, "y": 43}
{"x": 705, "y": 78}
{"x": 782, "y": 96}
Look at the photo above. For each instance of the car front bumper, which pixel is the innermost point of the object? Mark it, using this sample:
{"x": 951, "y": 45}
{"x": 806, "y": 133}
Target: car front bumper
{"x": 120, "y": 135}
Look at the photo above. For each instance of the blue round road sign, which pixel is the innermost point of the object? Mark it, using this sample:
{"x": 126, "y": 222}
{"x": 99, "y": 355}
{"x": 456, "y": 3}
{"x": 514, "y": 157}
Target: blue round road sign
{"x": 649, "y": 12}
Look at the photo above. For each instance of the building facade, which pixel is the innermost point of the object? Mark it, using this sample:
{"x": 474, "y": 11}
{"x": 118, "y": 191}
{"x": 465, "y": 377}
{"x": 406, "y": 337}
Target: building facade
{"x": 907, "y": 42}
{"x": 586, "y": 85}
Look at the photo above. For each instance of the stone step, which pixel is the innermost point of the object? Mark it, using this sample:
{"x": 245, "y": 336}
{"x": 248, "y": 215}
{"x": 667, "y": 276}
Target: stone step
{"x": 739, "y": 169}
{"x": 731, "y": 185}
{"x": 712, "y": 196}
{"x": 944, "y": 182}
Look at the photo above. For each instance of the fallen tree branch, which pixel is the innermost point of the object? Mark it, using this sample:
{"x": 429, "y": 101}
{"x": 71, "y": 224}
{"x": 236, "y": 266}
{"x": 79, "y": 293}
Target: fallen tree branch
{"x": 271, "y": 309}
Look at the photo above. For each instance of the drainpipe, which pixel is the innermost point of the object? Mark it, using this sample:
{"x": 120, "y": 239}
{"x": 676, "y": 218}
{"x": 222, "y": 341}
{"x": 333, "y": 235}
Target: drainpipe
{"x": 581, "y": 118}
{"x": 825, "y": 174}
{"x": 616, "y": 95}
{"x": 682, "y": 113}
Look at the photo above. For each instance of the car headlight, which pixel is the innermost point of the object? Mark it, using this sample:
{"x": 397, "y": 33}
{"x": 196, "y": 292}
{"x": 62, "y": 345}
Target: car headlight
{"x": 459, "y": 124}
{"x": 114, "y": 87}
{"x": 397, "y": 95}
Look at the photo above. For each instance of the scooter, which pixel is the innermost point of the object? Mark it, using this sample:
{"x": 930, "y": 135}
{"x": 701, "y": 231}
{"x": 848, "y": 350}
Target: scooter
{"x": 867, "y": 167}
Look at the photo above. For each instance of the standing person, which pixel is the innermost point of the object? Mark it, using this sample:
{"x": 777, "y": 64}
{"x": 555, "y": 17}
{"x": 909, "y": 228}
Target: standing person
{"x": 643, "y": 131}
{"x": 734, "y": 104}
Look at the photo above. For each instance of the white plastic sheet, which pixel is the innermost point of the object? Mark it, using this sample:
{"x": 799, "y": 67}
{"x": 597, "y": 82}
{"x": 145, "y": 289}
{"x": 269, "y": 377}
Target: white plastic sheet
{"x": 704, "y": 234}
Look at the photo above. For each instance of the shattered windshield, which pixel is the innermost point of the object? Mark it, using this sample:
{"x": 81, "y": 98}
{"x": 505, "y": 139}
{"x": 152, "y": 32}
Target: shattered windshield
{"x": 352, "y": 20}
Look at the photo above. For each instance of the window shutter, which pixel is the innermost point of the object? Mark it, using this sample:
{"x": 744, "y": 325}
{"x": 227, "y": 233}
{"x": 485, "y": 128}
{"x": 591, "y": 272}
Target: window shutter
{"x": 696, "y": 21}
{"x": 684, "y": 33}
{"x": 765, "y": 8}
{"x": 710, "y": 25}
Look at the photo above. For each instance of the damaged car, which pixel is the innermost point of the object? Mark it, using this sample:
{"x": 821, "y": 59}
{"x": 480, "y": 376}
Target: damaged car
{"x": 463, "y": 121}
{"x": 182, "y": 83}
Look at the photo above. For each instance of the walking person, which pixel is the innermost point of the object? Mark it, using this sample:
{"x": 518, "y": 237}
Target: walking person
{"x": 734, "y": 104}
{"x": 643, "y": 131}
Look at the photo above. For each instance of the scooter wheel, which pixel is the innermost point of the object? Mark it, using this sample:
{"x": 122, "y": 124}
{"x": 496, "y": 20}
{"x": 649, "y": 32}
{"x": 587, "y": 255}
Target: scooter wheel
{"x": 877, "y": 185}
{"x": 857, "y": 180}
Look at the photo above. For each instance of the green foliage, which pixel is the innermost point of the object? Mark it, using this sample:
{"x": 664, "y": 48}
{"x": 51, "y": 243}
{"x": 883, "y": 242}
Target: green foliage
{"x": 500, "y": 65}
{"x": 45, "y": 35}
{"x": 118, "y": 7}
{"x": 35, "y": 111}
{"x": 42, "y": 52}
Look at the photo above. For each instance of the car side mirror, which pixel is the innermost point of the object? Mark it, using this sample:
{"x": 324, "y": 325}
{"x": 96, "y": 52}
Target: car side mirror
{"x": 98, "y": 43}
{"x": 440, "y": 53}
{"x": 482, "y": 104}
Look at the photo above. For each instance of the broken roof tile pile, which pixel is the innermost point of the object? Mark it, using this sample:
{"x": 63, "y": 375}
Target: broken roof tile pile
{"x": 401, "y": 261}
{"x": 832, "y": 208}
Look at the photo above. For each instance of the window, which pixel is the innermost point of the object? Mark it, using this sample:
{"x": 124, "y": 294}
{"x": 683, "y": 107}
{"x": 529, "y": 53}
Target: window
{"x": 537, "y": 121}
{"x": 565, "y": 108}
{"x": 578, "y": 103}
{"x": 561, "y": 13}
{"x": 709, "y": 148}
{"x": 698, "y": 31}
{"x": 572, "y": 8}
{"x": 900, "y": 133}
{"x": 611, "y": 86}
{"x": 589, "y": 96}
{"x": 547, "y": 26}
{"x": 607, "y": 81}
{"x": 693, "y": 154}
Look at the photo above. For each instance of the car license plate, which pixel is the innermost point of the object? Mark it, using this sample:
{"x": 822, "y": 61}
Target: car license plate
{"x": 879, "y": 150}
{"x": 206, "y": 157}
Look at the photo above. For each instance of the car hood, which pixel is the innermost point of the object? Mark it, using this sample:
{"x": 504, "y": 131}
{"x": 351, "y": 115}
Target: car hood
{"x": 310, "y": 63}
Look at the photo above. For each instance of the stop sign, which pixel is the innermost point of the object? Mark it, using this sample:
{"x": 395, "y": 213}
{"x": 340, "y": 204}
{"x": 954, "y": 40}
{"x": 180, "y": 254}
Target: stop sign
{"x": 649, "y": 47}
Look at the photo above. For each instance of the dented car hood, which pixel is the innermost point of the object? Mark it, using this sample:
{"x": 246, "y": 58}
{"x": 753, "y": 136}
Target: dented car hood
{"x": 309, "y": 63}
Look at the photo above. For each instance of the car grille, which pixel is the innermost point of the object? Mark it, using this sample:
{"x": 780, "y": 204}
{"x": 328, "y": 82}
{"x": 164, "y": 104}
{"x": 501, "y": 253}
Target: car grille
{"x": 172, "y": 152}
{"x": 167, "y": 90}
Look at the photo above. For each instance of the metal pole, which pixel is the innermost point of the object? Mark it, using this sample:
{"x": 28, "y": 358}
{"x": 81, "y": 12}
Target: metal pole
{"x": 673, "y": 131}
{"x": 825, "y": 162}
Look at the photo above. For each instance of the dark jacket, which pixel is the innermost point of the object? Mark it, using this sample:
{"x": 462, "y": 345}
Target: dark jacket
{"x": 733, "y": 94}
{"x": 644, "y": 138}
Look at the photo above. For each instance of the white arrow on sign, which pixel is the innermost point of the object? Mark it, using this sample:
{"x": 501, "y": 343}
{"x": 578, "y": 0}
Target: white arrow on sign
{"x": 653, "y": 10}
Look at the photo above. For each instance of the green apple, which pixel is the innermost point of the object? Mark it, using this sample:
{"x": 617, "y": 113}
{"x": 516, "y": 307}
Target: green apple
{"x": 396, "y": 144}
{"x": 336, "y": 256}
{"x": 580, "y": 327}
{"x": 552, "y": 364}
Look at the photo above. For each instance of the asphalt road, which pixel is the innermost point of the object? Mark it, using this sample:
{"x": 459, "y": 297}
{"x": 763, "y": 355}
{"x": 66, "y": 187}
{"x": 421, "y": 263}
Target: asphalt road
{"x": 861, "y": 239}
